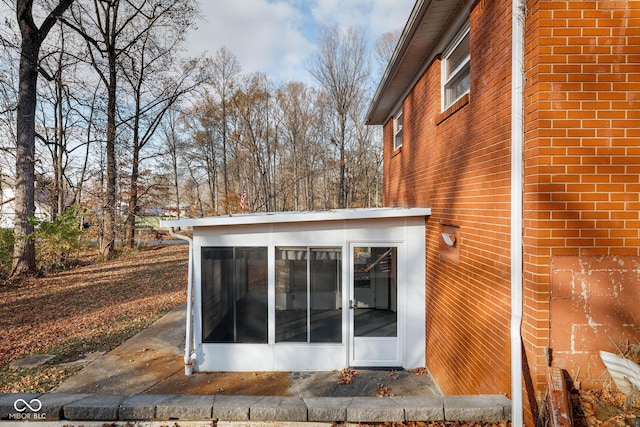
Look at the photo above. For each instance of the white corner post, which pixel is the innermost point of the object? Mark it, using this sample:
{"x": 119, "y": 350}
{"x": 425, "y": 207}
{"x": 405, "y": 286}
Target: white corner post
{"x": 517, "y": 173}
{"x": 189, "y": 355}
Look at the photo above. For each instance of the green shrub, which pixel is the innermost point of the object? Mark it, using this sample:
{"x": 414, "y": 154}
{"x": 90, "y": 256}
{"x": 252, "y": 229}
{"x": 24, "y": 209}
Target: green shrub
{"x": 6, "y": 252}
{"x": 56, "y": 240}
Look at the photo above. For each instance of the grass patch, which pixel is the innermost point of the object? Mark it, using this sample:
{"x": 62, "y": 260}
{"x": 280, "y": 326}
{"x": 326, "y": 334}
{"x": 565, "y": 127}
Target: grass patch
{"x": 45, "y": 378}
{"x": 34, "y": 380}
{"x": 74, "y": 348}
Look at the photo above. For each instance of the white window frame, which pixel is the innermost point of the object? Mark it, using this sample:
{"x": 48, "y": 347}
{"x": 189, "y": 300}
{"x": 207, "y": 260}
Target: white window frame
{"x": 397, "y": 130}
{"x": 309, "y": 289}
{"x": 462, "y": 69}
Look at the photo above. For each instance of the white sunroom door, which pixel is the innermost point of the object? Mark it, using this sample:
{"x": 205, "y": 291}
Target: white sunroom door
{"x": 373, "y": 314}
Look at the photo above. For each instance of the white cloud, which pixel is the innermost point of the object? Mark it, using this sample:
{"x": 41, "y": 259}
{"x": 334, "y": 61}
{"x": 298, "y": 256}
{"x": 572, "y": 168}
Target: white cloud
{"x": 374, "y": 16}
{"x": 277, "y": 36}
{"x": 388, "y": 15}
{"x": 264, "y": 36}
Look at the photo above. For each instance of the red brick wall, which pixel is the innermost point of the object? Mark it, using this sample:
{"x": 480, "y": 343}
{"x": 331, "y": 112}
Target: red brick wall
{"x": 460, "y": 168}
{"x": 594, "y": 306}
{"x": 582, "y": 164}
{"x": 581, "y": 201}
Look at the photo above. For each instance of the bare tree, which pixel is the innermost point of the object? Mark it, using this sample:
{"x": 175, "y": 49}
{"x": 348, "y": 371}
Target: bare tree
{"x": 111, "y": 30}
{"x": 202, "y": 121}
{"x": 60, "y": 116}
{"x": 384, "y": 48}
{"x": 87, "y": 110}
{"x": 252, "y": 107}
{"x": 157, "y": 83}
{"x": 24, "y": 261}
{"x": 340, "y": 66}
{"x": 297, "y": 103}
{"x": 59, "y": 146}
{"x": 225, "y": 70}
{"x": 293, "y": 147}
{"x": 365, "y": 161}
{"x": 101, "y": 28}
{"x": 9, "y": 43}
{"x": 172, "y": 139}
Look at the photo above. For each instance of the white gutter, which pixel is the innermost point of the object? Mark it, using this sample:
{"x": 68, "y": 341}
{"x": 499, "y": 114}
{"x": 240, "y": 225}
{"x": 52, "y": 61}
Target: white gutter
{"x": 189, "y": 356}
{"x": 517, "y": 171}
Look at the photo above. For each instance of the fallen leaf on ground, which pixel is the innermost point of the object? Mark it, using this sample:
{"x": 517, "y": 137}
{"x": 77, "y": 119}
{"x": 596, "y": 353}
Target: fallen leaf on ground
{"x": 347, "y": 376}
{"x": 94, "y": 307}
{"x": 384, "y": 391}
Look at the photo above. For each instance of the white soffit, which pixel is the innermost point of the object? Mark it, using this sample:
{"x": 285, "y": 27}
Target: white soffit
{"x": 427, "y": 22}
{"x": 298, "y": 217}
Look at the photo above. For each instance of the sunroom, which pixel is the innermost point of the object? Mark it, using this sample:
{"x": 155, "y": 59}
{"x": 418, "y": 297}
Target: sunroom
{"x": 306, "y": 291}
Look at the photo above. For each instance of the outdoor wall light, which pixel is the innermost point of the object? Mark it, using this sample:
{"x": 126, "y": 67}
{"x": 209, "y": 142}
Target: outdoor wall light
{"x": 449, "y": 239}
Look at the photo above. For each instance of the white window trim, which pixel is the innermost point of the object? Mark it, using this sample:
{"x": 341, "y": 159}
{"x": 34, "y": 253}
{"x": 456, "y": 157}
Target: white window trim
{"x": 397, "y": 130}
{"x": 464, "y": 31}
{"x": 307, "y": 250}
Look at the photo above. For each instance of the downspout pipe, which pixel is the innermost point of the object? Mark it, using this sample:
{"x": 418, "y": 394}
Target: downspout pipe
{"x": 189, "y": 355}
{"x": 517, "y": 223}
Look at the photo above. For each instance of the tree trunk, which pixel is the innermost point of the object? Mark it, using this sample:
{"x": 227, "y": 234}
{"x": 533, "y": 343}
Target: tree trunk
{"x": 172, "y": 142}
{"x": 24, "y": 254}
{"x": 78, "y": 192}
{"x": 174, "y": 164}
{"x": 224, "y": 155}
{"x": 132, "y": 212}
{"x": 133, "y": 209}
{"x": 108, "y": 244}
{"x": 24, "y": 259}
{"x": 59, "y": 147}
{"x": 342, "y": 194}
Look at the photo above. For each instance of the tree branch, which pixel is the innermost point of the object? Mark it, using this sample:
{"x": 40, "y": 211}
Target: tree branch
{"x": 53, "y": 17}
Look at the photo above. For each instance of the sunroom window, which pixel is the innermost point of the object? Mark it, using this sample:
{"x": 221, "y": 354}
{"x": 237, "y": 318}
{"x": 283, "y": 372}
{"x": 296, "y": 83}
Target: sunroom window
{"x": 308, "y": 294}
{"x": 234, "y": 295}
{"x": 456, "y": 69}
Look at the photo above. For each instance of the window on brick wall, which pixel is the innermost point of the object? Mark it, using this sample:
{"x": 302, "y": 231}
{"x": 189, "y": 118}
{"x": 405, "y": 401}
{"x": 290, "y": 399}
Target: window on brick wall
{"x": 455, "y": 68}
{"x": 397, "y": 130}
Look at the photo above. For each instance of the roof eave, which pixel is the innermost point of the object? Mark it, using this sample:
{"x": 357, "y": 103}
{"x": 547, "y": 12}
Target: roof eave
{"x": 428, "y": 20}
{"x": 297, "y": 217}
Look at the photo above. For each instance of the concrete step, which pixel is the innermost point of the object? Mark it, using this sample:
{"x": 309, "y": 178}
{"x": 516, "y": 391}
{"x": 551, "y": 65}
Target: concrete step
{"x": 84, "y": 407}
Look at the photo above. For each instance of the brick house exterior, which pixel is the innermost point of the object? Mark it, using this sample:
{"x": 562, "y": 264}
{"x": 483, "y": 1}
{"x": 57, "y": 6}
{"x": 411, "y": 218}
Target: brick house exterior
{"x": 580, "y": 277}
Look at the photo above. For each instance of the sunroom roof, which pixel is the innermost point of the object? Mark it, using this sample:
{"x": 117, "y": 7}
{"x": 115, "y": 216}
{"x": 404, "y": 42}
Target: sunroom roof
{"x": 297, "y": 217}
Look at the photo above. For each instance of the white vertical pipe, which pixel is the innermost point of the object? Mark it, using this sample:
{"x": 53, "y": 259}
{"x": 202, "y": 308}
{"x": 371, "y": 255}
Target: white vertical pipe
{"x": 188, "y": 359}
{"x": 517, "y": 171}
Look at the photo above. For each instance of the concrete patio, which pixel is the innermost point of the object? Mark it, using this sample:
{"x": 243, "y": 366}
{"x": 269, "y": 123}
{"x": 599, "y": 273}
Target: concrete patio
{"x": 152, "y": 363}
{"x": 144, "y": 379}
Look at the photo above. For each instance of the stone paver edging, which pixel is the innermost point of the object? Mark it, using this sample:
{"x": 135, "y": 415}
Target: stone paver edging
{"x": 84, "y": 407}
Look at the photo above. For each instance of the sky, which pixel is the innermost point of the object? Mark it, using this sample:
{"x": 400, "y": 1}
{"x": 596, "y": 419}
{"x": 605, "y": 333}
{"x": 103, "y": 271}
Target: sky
{"x": 277, "y": 36}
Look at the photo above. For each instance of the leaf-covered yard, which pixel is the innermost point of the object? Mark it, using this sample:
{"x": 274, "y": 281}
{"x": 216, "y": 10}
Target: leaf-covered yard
{"x": 85, "y": 309}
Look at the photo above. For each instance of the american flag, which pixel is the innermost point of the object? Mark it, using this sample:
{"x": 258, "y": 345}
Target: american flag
{"x": 242, "y": 198}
